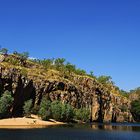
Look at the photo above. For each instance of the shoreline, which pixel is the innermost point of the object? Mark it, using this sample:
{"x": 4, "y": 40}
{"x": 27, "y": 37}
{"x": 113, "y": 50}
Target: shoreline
{"x": 27, "y": 123}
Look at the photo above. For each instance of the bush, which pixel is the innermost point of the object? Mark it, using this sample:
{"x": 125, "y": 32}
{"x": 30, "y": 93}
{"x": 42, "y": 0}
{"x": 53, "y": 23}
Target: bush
{"x": 62, "y": 112}
{"x": 135, "y": 109}
{"x": 27, "y": 108}
{"x": 44, "y": 111}
{"x": 82, "y": 114}
{"x": 124, "y": 108}
{"x": 12, "y": 60}
{"x": 70, "y": 67}
{"x": 47, "y": 63}
{"x": 59, "y": 63}
{"x": 56, "y": 109}
{"x": 35, "y": 109}
{"x": 5, "y": 104}
{"x": 80, "y": 72}
{"x": 67, "y": 112}
{"x": 3, "y": 51}
{"x": 22, "y": 57}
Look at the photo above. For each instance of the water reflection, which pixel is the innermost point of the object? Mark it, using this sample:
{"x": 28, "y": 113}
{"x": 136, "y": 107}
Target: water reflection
{"x": 103, "y": 126}
{"x": 93, "y": 131}
{"x": 116, "y": 127}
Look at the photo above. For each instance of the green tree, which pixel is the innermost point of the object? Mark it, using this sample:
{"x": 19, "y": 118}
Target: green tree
{"x": 67, "y": 112}
{"x": 59, "y": 63}
{"x": 82, "y": 114}
{"x": 104, "y": 79}
{"x": 92, "y": 73}
{"x": 124, "y": 93}
{"x": 70, "y": 67}
{"x": 23, "y": 57}
{"x": 80, "y": 72}
{"x": 6, "y": 102}
{"x": 47, "y": 63}
{"x": 62, "y": 112}
{"x": 3, "y": 51}
{"x": 45, "y": 109}
{"x": 135, "y": 109}
{"x": 27, "y": 108}
{"x": 56, "y": 109}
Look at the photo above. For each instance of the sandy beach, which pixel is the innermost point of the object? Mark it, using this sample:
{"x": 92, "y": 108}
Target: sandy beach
{"x": 34, "y": 122}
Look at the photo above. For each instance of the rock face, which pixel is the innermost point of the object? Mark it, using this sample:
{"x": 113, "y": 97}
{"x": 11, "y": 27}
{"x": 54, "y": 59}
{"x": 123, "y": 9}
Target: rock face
{"x": 79, "y": 92}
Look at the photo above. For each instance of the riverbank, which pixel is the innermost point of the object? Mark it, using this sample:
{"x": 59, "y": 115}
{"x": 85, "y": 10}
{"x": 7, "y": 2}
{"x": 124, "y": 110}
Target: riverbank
{"x": 33, "y": 122}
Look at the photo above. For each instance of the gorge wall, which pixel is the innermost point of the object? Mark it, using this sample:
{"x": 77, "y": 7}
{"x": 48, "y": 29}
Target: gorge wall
{"x": 79, "y": 92}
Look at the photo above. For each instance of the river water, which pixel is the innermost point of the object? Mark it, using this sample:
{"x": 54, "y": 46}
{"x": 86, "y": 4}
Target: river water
{"x": 75, "y": 132}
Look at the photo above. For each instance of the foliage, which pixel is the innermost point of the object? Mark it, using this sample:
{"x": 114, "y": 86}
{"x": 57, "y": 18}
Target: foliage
{"x": 62, "y": 112}
{"x": 104, "y": 79}
{"x": 27, "y": 108}
{"x": 47, "y": 63}
{"x": 80, "y": 72}
{"x": 136, "y": 91}
{"x": 3, "y": 51}
{"x": 56, "y": 109}
{"x": 59, "y": 64}
{"x": 91, "y": 73}
{"x": 5, "y": 104}
{"x": 22, "y": 57}
{"x": 82, "y": 114}
{"x": 35, "y": 109}
{"x": 124, "y": 93}
{"x": 135, "y": 109}
{"x": 12, "y": 60}
{"x": 44, "y": 110}
{"x": 70, "y": 67}
{"x": 123, "y": 108}
{"x": 17, "y": 58}
{"x": 67, "y": 112}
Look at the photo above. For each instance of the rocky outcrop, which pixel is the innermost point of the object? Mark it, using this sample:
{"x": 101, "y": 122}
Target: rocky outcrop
{"x": 79, "y": 92}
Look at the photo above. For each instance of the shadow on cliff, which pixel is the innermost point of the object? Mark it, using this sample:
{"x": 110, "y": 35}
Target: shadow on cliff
{"x": 24, "y": 91}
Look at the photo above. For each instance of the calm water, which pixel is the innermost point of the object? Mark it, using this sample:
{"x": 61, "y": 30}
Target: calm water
{"x": 75, "y": 132}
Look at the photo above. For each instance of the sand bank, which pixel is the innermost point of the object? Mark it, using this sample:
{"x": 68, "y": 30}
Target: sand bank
{"x": 34, "y": 122}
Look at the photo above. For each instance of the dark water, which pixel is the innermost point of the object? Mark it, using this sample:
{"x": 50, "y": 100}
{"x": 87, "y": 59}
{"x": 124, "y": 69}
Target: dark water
{"x": 75, "y": 132}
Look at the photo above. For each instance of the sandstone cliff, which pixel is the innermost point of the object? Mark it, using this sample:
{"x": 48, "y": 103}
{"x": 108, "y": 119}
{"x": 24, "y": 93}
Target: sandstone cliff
{"x": 34, "y": 83}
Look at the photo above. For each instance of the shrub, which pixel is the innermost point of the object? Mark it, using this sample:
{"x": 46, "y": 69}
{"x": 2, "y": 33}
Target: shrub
{"x": 124, "y": 108}
{"x": 62, "y": 112}
{"x": 59, "y": 63}
{"x": 23, "y": 57}
{"x": 82, "y": 114}
{"x": 3, "y": 51}
{"x": 80, "y": 72}
{"x": 67, "y": 112}
{"x": 47, "y": 63}
{"x": 12, "y": 60}
{"x": 135, "y": 109}
{"x": 56, "y": 109}
{"x": 35, "y": 109}
{"x": 27, "y": 108}
{"x": 5, "y": 104}
{"x": 44, "y": 110}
